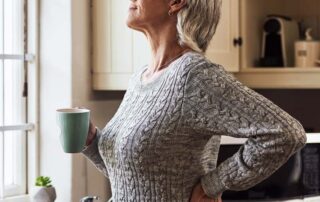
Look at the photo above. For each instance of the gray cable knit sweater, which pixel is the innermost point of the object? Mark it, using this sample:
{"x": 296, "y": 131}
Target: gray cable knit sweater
{"x": 165, "y": 136}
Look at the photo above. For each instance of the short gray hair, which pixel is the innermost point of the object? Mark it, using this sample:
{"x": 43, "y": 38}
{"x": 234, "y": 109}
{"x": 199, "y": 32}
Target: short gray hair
{"x": 197, "y": 23}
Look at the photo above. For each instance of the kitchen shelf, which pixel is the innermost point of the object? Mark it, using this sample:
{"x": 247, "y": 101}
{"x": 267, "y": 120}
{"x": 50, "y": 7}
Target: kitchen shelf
{"x": 252, "y": 17}
{"x": 280, "y": 78}
{"x": 281, "y": 69}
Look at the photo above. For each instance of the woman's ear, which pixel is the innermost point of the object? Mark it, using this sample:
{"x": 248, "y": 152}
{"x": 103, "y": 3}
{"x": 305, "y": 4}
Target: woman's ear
{"x": 176, "y": 5}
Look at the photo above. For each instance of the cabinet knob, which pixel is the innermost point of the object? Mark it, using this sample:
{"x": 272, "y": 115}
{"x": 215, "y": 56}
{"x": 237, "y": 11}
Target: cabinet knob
{"x": 237, "y": 41}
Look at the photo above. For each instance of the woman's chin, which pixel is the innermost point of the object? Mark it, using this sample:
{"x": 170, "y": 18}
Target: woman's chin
{"x": 131, "y": 24}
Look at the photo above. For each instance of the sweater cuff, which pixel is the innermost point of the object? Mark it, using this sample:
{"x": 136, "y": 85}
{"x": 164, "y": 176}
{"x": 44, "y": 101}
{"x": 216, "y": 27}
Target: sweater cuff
{"x": 92, "y": 148}
{"x": 212, "y": 185}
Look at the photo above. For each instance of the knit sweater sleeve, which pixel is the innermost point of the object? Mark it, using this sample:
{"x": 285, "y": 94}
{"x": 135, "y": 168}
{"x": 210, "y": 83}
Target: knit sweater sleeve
{"x": 91, "y": 152}
{"x": 216, "y": 103}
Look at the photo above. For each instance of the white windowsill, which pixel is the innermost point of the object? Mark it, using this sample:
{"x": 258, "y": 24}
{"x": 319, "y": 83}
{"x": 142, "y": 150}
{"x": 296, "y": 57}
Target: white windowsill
{"x": 22, "y": 198}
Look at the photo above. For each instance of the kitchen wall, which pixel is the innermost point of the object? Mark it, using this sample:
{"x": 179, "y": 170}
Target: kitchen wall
{"x": 55, "y": 91}
{"x": 64, "y": 82}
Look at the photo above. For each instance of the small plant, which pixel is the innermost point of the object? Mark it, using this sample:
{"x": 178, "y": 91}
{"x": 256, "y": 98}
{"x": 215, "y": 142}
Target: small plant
{"x": 43, "y": 181}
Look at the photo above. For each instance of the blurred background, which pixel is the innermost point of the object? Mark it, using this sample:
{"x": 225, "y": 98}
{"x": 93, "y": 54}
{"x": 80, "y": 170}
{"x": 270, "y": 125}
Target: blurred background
{"x": 67, "y": 53}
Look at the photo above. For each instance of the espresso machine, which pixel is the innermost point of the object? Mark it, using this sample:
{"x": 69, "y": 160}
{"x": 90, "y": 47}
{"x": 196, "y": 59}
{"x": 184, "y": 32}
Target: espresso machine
{"x": 279, "y": 36}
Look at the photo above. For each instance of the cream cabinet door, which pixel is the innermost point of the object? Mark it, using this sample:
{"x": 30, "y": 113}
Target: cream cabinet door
{"x": 117, "y": 50}
{"x": 222, "y": 49}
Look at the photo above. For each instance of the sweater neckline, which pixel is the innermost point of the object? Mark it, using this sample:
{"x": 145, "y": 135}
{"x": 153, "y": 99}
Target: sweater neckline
{"x": 152, "y": 83}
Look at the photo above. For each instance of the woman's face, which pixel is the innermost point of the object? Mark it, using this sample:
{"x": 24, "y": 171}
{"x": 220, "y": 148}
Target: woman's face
{"x": 144, "y": 13}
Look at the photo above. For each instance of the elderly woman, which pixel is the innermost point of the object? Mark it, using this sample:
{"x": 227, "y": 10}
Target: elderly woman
{"x": 162, "y": 143}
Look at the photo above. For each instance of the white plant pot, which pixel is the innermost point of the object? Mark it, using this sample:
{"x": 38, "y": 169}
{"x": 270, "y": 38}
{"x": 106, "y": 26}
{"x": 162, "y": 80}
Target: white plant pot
{"x": 43, "y": 194}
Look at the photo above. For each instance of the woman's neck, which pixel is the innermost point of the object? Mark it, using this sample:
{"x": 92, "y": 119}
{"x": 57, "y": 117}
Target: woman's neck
{"x": 164, "y": 46}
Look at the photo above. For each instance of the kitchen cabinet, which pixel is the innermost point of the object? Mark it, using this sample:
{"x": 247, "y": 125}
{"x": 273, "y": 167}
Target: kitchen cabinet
{"x": 224, "y": 48}
{"x": 119, "y": 51}
{"x": 253, "y": 14}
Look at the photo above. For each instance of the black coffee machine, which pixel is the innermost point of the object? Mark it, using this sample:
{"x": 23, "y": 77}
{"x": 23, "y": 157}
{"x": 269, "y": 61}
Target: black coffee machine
{"x": 279, "y": 35}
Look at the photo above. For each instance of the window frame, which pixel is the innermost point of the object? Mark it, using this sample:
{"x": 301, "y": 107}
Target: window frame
{"x": 13, "y": 138}
{"x": 32, "y": 130}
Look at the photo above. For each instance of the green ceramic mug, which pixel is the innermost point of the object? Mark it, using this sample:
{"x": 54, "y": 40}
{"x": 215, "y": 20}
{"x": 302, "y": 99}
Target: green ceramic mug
{"x": 74, "y": 126}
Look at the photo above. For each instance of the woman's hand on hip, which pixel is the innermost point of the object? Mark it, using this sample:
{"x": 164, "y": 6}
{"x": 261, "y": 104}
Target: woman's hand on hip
{"x": 198, "y": 195}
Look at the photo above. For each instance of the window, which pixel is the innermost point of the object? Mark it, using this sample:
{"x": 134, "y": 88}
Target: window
{"x": 13, "y": 97}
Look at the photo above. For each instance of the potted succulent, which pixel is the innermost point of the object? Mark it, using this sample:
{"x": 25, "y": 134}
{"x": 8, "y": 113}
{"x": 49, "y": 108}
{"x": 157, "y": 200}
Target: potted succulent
{"x": 43, "y": 191}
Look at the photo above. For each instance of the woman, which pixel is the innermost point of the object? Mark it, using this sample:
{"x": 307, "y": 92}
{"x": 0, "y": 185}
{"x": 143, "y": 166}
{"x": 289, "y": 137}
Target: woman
{"x": 162, "y": 144}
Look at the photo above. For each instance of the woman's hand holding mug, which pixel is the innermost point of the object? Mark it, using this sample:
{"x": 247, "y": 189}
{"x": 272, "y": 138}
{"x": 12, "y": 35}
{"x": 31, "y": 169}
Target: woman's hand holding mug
{"x": 92, "y": 132}
{"x": 198, "y": 195}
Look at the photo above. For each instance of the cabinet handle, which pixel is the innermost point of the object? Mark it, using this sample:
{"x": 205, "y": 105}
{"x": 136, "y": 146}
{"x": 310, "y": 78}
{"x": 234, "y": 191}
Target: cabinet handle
{"x": 237, "y": 41}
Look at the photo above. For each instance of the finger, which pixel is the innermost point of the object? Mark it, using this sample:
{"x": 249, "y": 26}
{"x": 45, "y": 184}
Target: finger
{"x": 196, "y": 199}
{"x": 213, "y": 200}
{"x": 218, "y": 199}
{"x": 207, "y": 199}
{"x": 92, "y": 126}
